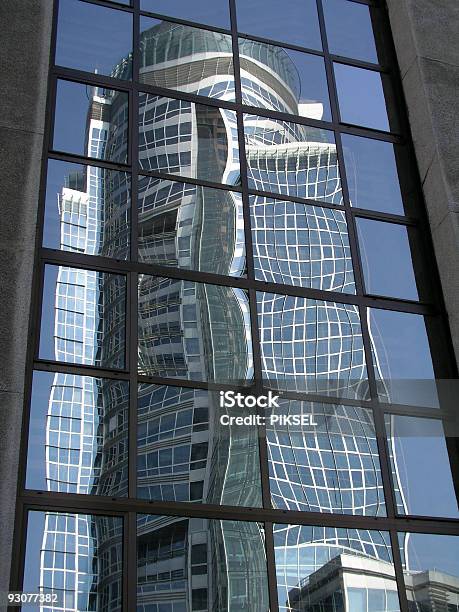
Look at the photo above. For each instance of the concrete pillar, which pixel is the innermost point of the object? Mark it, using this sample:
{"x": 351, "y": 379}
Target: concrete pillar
{"x": 426, "y": 37}
{"x": 24, "y": 59}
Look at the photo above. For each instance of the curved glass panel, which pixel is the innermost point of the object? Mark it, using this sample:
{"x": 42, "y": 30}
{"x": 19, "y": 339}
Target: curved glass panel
{"x": 284, "y": 80}
{"x": 78, "y": 435}
{"x": 184, "y": 58}
{"x": 191, "y": 227}
{"x": 330, "y": 568}
{"x": 292, "y": 159}
{"x": 87, "y": 210}
{"x": 201, "y": 564}
{"x": 194, "y": 331}
{"x": 91, "y": 121}
{"x": 298, "y": 244}
{"x": 94, "y": 38}
{"x": 312, "y": 346}
{"x": 75, "y": 558}
{"x": 186, "y": 454}
{"x": 328, "y": 465}
{"x": 188, "y": 139}
{"x": 83, "y": 317}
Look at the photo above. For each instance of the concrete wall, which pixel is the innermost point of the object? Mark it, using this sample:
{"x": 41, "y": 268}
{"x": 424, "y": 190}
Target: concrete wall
{"x": 24, "y": 59}
{"x": 426, "y": 37}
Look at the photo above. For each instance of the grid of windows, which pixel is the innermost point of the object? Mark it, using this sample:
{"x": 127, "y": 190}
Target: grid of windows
{"x": 205, "y": 238}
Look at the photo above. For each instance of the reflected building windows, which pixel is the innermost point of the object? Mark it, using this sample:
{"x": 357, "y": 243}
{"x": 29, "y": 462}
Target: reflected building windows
{"x": 191, "y": 227}
{"x": 194, "y": 331}
{"x": 335, "y": 569}
{"x": 200, "y": 564}
{"x": 186, "y": 454}
{"x": 298, "y": 244}
{"x": 312, "y": 346}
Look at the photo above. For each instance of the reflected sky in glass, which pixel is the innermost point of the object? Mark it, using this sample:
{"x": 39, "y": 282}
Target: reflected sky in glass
{"x": 94, "y": 38}
{"x": 427, "y": 551}
{"x": 372, "y": 174}
{"x": 282, "y": 79}
{"x": 386, "y": 259}
{"x": 108, "y": 129}
{"x": 298, "y": 25}
{"x": 298, "y": 244}
{"x": 349, "y": 30}
{"x": 185, "y": 454}
{"x": 206, "y": 564}
{"x": 329, "y": 568}
{"x": 215, "y": 13}
{"x": 87, "y": 210}
{"x": 78, "y": 435}
{"x": 331, "y": 466}
{"x": 83, "y": 317}
{"x": 361, "y": 97}
{"x": 420, "y": 462}
{"x": 193, "y": 330}
{"x": 402, "y": 358}
{"x": 191, "y": 227}
{"x": 188, "y": 59}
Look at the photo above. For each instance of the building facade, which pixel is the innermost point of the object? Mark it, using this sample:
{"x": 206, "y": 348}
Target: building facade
{"x": 220, "y": 223}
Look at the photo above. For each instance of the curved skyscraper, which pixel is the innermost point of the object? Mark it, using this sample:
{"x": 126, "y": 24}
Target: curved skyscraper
{"x": 202, "y": 332}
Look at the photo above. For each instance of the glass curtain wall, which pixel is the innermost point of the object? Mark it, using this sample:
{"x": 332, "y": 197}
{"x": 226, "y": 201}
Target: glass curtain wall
{"x": 230, "y": 203}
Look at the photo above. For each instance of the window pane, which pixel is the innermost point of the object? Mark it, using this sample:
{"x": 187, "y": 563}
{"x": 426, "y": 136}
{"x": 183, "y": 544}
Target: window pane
{"x": 194, "y": 140}
{"x": 349, "y": 30}
{"x": 298, "y": 244}
{"x": 431, "y": 570}
{"x": 214, "y": 13}
{"x": 87, "y": 210}
{"x": 77, "y": 556}
{"x": 94, "y": 38}
{"x": 83, "y": 317}
{"x": 372, "y": 174}
{"x": 78, "y": 434}
{"x": 298, "y": 25}
{"x": 323, "y": 568}
{"x": 186, "y": 454}
{"x": 292, "y": 159}
{"x": 329, "y": 466}
{"x": 401, "y": 358}
{"x": 386, "y": 259}
{"x": 191, "y": 227}
{"x": 203, "y": 564}
{"x": 312, "y": 345}
{"x": 194, "y": 331}
{"x": 283, "y": 79}
{"x": 186, "y": 59}
{"x": 361, "y": 97}
{"x": 91, "y": 121}
{"x": 421, "y": 467}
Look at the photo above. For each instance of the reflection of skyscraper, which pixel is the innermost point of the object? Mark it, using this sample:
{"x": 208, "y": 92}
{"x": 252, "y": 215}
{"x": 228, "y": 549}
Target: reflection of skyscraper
{"x": 202, "y": 332}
